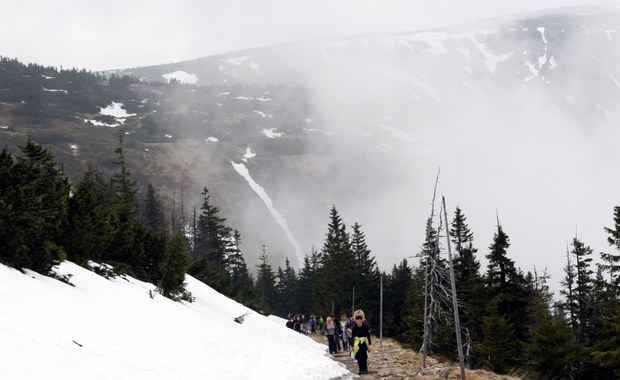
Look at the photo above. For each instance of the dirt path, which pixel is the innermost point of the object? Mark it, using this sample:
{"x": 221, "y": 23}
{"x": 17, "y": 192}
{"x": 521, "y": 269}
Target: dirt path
{"x": 390, "y": 361}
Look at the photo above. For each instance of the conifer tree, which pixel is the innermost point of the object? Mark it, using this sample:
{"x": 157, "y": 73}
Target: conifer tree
{"x": 126, "y": 246}
{"x": 265, "y": 283}
{"x": 307, "y": 280}
{"x": 568, "y": 291}
{"x": 508, "y": 290}
{"x": 286, "y": 288}
{"x": 605, "y": 348}
{"x": 499, "y": 347}
{"x": 395, "y": 295}
{"x": 173, "y": 267}
{"x": 368, "y": 284}
{"x": 340, "y": 270}
{"x": 500, "y": 269}
{"x": 611, "y": 261}
{"x": 212, "y": 243}
{"x": 33, "y": 208}
{"x": 549, "y": 348}
{"x": 582, "y": 293}
{"x": 153, "y": 212}
{"x": 242, "y": 284}
{"x": 90, "y": 222}
{"x": 469, "y": 282}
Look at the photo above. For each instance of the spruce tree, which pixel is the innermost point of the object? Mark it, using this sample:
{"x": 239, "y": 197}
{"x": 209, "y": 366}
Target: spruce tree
{"x": 33, "y": 208}
{"x": 397, "y": 286}
{"x": 286, "y": 288}
{"x": 499, "y": 348}
{"x": 508, "y": 290}
{"x": 469, "y": 282}
{"x": 368, "y": 285}
{"x": 173, "y": 267}
{"x": 242, "y": 284}
{"x": 307, "y": 281}
{"x": 153, "y": 213}
{"x": 500, "y": 269}
{"x": 212, "y": 242}
{"x": 265, "y": 283}
{"x": 340, "y": 269}
{"x": 549, "y": 347}
{"x": 126, "y": 250}
{"x": 568, "y": 291}
{"x": 583, "y": 297}
{"x": 90, "y": 221}
{"x": 611, "y": 261}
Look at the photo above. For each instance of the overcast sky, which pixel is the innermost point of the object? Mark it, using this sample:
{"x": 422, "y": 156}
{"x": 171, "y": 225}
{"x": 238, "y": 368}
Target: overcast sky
{"x": 110, "y": 34}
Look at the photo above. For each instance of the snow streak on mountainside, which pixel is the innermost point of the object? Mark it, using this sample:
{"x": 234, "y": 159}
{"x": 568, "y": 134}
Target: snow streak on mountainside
{"x": 260, "y": 191}
{"x": 520, "y": 113}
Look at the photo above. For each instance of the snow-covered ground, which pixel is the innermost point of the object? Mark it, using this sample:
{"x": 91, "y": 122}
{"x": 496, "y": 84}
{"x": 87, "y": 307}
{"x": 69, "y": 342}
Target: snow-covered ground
{"x": 113, "y": 329}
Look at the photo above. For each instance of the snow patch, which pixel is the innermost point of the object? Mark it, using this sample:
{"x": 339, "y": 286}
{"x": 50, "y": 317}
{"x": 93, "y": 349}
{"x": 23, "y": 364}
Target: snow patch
{"x": 608, "y": 33}
{"x": 271, "y": 133}
{"x": 261, "y": 99}
{"x": 249, "y": 154}
{"x": 238, "y": 61}
{"x": 262, "y": 114}
{"x": 116, "y": 110}
{"x": 542, "y": 33}
{"x": 491, "y": 60}
{"x": 181, "y": 76}
{"x": 54, "y": 90}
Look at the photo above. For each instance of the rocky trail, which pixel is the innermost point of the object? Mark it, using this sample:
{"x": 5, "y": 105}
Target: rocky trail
{"x": 390, "y": 361}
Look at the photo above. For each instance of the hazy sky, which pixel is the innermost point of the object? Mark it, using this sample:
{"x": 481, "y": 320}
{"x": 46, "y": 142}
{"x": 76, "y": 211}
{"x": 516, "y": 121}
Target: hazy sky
{"x": 111, "y": 34}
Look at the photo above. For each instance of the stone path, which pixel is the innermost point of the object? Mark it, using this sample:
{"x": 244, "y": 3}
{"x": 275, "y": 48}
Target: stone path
{"x": 391, "y": 361}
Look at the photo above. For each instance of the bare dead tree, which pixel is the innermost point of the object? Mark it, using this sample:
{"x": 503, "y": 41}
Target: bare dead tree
{"x": 177, "y": 214}
{"x": 426, "y": 334}
{"x": 455, "y": 306}
{"x": 436, "y": 296}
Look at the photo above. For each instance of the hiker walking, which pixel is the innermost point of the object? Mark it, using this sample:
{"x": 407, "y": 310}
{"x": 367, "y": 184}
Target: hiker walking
{"x": 361, "y": 342}
{"x": 345, "y": 333}
{"x": 332, "y": 335}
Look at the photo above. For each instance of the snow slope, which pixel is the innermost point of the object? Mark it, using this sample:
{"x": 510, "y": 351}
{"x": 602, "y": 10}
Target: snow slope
{"x": 113, "y": 329}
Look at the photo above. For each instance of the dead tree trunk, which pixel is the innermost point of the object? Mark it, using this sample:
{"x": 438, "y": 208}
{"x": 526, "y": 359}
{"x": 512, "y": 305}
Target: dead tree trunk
{"x": 455, "y": 306}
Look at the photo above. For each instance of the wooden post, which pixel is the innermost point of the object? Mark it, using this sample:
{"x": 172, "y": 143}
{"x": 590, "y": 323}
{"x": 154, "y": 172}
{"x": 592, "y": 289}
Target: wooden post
{"x": 455, "y": 306}
{"x": 353, "y": 302}
{"x": 381, "y": 311}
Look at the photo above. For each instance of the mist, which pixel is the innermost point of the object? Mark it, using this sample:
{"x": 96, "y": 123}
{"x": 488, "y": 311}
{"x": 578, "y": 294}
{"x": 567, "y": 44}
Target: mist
{"x": 518, "y": 118}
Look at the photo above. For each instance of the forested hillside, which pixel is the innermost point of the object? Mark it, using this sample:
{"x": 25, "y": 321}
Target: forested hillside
{"x": 177, "y": 137}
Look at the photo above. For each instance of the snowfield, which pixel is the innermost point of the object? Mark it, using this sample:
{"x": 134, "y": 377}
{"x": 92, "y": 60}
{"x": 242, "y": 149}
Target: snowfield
{"x": 113, "y": 329}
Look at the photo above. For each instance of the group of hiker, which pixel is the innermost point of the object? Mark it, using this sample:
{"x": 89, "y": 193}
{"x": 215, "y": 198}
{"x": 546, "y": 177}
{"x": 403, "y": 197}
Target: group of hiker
{"x": 349, "y": 334}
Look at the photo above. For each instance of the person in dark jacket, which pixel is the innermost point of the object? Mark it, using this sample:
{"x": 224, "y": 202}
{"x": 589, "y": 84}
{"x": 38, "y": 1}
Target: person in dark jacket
{"x": 338, "y": 331}
{"x": 361, "y": 343}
